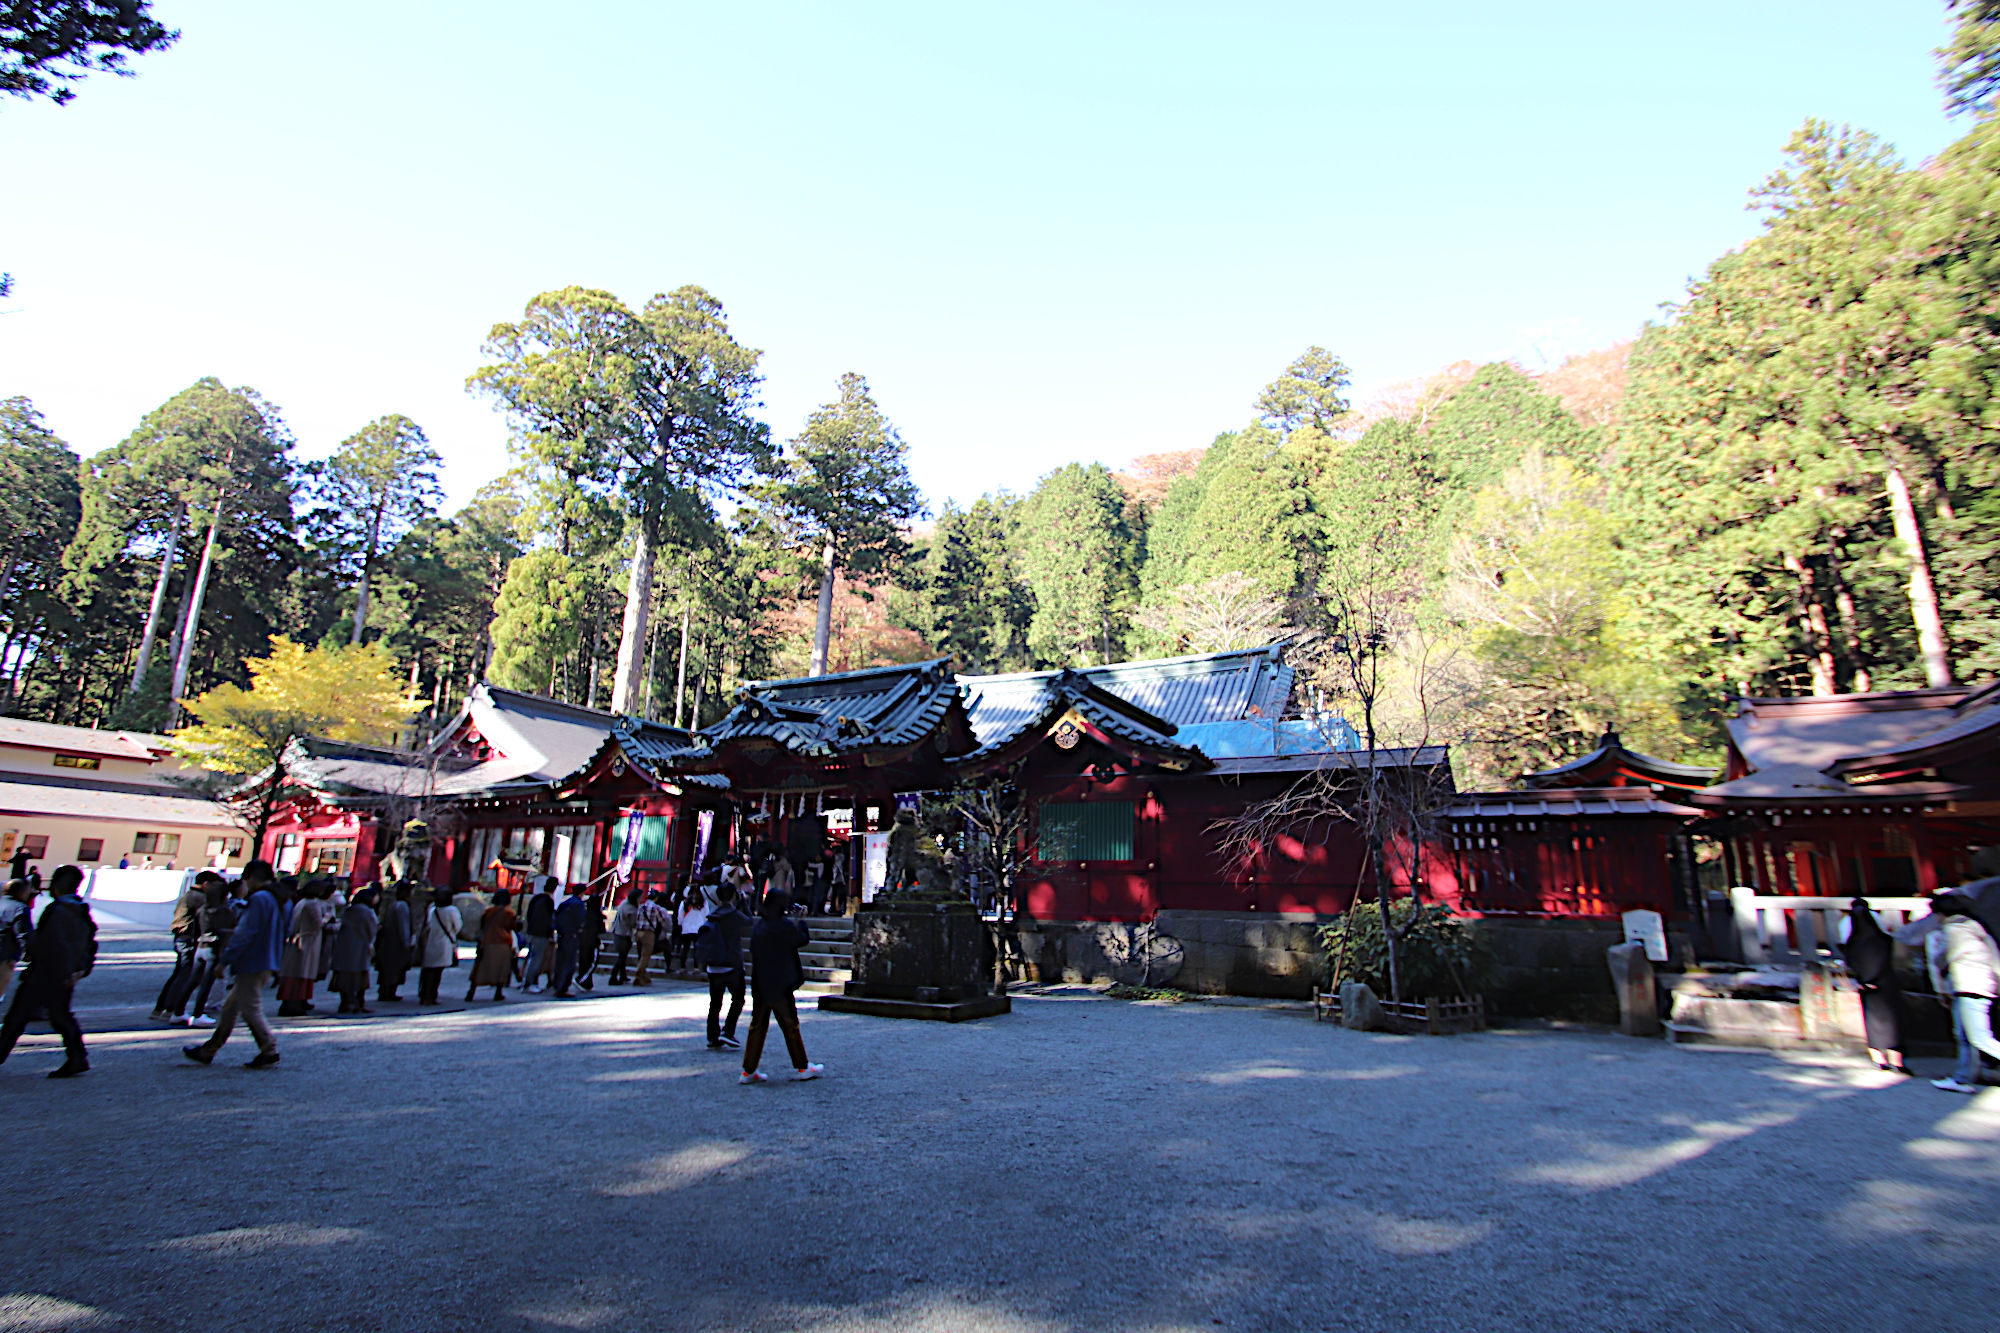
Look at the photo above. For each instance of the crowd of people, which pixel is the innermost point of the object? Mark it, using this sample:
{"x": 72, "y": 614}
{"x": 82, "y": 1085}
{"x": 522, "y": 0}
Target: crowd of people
{"x": 234, "y": 941}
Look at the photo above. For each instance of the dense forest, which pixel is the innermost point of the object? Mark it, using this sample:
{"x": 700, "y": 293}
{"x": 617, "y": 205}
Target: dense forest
{"x": 1786, "y": 485}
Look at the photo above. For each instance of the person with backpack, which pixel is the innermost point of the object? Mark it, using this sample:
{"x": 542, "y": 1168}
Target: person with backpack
{"x": 186, "y": 930}
{"x": 254, "y": 950}
{"x": 437, "y": 944}
{"x": 775, "y": 977}
{"x": 649, "y": 923}
{"x": 61, "y": 953}
{"x": 719, "y": 950}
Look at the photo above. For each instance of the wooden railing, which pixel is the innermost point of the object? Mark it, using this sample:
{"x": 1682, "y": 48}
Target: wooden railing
{"x": 1791, "y": 932}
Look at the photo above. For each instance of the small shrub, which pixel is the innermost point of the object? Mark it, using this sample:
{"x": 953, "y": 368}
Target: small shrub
{"x": 1435, "y": 956}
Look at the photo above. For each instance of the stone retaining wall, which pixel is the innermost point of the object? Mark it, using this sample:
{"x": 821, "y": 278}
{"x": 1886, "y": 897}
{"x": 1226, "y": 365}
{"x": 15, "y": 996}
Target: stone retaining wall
{"x": 1542, "y": 966}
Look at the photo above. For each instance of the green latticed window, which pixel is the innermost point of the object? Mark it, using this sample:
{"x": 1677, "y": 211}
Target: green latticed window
{"x": 1086, "y": 831}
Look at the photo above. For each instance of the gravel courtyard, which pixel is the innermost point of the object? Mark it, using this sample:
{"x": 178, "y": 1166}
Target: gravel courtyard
{"x": 1080, "y": 1164}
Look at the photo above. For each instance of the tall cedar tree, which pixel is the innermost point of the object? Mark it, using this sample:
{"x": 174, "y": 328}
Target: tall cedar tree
{"x": 654, "y": 408}
{"x": 39, "y": 509}
{"x": 843, "y": 489}
{"x": 379, "y": 484}
{"x": 1080, "y": 545}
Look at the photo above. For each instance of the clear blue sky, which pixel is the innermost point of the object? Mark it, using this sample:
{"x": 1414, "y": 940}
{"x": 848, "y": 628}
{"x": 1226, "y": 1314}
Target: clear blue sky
{"x": 1044, "y": 232}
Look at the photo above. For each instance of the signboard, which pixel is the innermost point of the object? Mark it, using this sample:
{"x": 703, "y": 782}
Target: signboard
{"x": 840, "y": 820}
{"x": 629, "y": 852}
{"x": 874, "y": 864}
{"x": 559, "y": 861}
{"x": 909, "y": 800}
{"x": 1644, "y": 927}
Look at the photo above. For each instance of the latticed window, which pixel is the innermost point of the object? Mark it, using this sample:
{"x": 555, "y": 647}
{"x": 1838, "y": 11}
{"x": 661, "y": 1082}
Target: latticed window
{"x": 1086, "y": 831}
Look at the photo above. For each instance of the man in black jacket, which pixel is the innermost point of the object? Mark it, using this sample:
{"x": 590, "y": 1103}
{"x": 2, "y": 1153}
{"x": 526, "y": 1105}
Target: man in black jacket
{"x": 540, "y": 927}
{"x": 61, "y": 953}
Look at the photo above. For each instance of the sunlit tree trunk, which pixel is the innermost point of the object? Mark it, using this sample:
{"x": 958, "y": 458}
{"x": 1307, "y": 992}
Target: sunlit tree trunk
{"x": 627, "y": 685}
{"x": 1923, "y": 592}
{"x": 681, "y": 672}
{"x": 367, "y": 575}
{"x": 186, "y": 653}
{"x": 823, "y": 630}
{"x": 152, "y": 632}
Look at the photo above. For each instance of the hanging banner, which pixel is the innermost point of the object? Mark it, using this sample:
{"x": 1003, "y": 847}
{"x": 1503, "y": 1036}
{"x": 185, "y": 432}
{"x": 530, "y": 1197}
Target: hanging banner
{"x": 874, "y": 864}
{"x": 627, "y": 854}
{"x": 704, "y": 828}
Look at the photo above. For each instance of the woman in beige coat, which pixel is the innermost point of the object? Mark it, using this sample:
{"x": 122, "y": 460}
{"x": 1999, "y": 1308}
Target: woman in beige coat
{"x": 437, "y": 944}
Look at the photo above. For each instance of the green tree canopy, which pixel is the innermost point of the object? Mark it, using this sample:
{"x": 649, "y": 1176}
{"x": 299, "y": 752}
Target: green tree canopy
{"x": 1079, "y": 549}
{"x": 843, "y": 490}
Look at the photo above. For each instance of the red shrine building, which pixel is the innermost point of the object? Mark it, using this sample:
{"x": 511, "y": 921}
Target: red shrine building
{"x": 1133, "y": 776}
{"x": 1833, "y": 796}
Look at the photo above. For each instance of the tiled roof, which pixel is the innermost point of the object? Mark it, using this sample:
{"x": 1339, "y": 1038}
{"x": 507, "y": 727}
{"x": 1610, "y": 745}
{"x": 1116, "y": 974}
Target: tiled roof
{"x": 539, "y": 740}
{"x": 823, "y": 716}
{"x": 1611, "y": 753}
{"x": 1059, "y": 692}
{"x": 1408, "y": 756}
{"x": 1817, "y": 731}
{"x": 1563, "y": 802}
{"x": 1186, "y": 691}
{"x": 140, "y": 746}
{"x": 657, "y": 750}
{"x": 36, "y": 798}
{"x": 1802, "y": 782}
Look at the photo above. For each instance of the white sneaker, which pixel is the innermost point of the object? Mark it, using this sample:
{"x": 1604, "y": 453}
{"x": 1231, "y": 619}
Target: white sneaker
{"x": 1953, "y": 1085}
{"x": 201, "y": 1021}
{"x": 810, "y": 1071}
{"x": 756, "y": 1076}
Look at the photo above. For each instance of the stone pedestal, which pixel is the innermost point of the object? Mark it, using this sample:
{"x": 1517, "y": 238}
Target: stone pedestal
{"x": 920, "y": 960}
{"x": 1638, "y": 997}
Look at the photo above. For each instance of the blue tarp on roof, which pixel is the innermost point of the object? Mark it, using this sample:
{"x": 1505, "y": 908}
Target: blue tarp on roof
{"x": 1256, "y": 737}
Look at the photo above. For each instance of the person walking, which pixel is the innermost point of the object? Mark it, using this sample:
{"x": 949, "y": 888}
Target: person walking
{"x": 17, "y": 920}
{"x": 213, "y": 887}
{"x": 353, "y": 946}
{"x": 305, "y": 933}
{"x": 719, "y": 948}
{"x": 623, "y": 929}
{"x": 1965, "y": 965}
{"x": 649, "y": 922}
{"x": 186, "y": 930}
{"x": 392, "y": 944}
{"x": 1870, "y": 955}
{"x": 540, "y": 928}
{"x": 589, "y": 940}
{"x": 775, "y": 977}
{"x": 494, "y": 964}
{"x": 218, "y": 921}
{"x": 61, "y": 953}
{"x": 437, "y": 944}
{"x": 567, "y": 922}
{"x": 252, "y": 955}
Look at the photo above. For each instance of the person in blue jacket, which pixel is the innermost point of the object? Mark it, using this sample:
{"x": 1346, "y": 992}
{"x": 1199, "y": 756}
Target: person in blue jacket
{"x": 251, "y": 955}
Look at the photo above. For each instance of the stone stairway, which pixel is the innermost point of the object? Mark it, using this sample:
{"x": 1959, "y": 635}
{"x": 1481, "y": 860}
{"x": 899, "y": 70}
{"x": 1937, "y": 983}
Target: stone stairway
{"x": 829, "y": 960}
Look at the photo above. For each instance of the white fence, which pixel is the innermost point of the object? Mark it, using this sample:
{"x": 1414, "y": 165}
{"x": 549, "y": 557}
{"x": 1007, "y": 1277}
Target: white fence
{"x": 1791, "y": 932}
{"x": 143, "y": 897}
